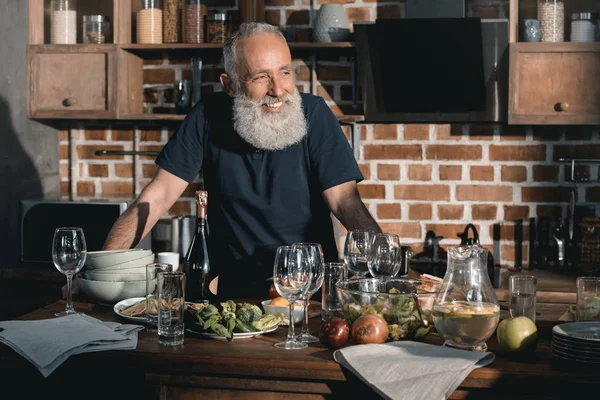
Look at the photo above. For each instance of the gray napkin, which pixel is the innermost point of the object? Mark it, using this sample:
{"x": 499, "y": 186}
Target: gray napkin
{"x": 411, "y": 370}
{"x": 48, "y": 343}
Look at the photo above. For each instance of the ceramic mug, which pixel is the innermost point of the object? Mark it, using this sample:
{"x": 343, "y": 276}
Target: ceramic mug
{"x": 532, "y": 30}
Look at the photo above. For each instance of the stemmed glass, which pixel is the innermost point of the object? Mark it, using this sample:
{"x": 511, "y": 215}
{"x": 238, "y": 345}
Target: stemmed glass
{"x": 316, "y": 260}
{"x": 384, "y": 257}
{"x": 356, "y": 250}
{"x": 292, "y": 276}
{"x": 69, "y": 252}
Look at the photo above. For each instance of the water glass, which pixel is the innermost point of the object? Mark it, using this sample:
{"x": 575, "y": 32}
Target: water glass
{"x": 171, "y": 308}
{"x": 356, "y": 250}
{"x": 291, "y": 276}
{"x": 316, "y": 261}
{"x": 384, "y": 258}
{"x": 521, "y": 292}
{"x": 588, "y": 298}
{"x": 69, "y": 251}
{"x": 152, "y": 271}
{"x": 331, "y": 305}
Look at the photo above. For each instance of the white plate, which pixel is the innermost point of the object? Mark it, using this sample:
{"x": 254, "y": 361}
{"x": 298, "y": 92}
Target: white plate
{"x": 123, "y": 304}
{"x": 588, "y": 331}
{"x": 235, "y": 335}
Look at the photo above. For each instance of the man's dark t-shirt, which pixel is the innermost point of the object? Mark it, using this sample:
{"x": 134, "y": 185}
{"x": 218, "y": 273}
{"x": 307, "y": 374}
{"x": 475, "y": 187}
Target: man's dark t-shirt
{"x": 259, "y": 200}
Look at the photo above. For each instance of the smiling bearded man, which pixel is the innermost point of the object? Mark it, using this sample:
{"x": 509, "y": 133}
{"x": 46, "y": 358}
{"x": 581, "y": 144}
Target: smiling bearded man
{"x": 269, "y": 130}
{"x": 274, "y": 161}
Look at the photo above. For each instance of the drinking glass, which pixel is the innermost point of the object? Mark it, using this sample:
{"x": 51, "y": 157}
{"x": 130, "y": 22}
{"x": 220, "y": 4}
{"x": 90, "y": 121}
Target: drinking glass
{"x": 152, "y": 271}
{"x": 316, "y": 261}
{"x": 356, "y": 250}
{"x": 292, "y": 276}
{"x": 521, "y": 296}
{"x": 588, "y": 298}
{"x": 384, "y": 258}
{"x": 69, "y": 252}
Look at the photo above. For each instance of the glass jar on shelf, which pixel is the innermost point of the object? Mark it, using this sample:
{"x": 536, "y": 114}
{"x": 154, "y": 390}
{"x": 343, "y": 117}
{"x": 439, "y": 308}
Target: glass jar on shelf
{"x": 194, "y": 15}
{"x": 63, "y": 22}
{"x": 583, "y": 27}
{"x": 218, "y": 28}
{"x": 149, "y": 22}
{"x": 172, "y": 21}
{"x": 96, "y": 29}
{"x": 551, "y": 14}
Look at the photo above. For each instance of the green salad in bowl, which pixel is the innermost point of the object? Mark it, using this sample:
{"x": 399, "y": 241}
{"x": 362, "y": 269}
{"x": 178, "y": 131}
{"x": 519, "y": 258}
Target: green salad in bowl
{"x": 404, "y": 304}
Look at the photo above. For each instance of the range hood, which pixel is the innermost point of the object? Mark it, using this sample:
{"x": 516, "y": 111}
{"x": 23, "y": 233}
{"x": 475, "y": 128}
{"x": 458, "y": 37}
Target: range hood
{"x": 440, "y": 70}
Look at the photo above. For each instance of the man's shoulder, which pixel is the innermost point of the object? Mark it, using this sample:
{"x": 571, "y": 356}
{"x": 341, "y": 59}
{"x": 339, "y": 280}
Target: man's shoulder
{"x": 310, "y": 101}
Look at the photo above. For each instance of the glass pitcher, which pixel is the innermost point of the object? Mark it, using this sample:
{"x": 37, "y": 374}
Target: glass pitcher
{"x": 466, "y": 310}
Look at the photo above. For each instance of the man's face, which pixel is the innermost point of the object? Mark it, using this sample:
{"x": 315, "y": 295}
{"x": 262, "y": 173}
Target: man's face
{"x": 265, "y": 71}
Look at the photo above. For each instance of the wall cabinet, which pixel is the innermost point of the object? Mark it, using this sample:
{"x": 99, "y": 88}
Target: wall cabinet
{"x": 554, "y": 83}
{"x": 72, "y": 82}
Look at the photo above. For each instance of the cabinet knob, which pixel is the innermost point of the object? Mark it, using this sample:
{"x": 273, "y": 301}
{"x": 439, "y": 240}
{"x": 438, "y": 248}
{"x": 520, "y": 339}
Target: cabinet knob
{"x": 69, "y": 102}
{"x": 560, "y": 107}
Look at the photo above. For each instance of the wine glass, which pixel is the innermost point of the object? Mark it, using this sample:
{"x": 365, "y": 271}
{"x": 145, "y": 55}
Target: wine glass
{"x": 316, "y": 261}
{"x": 356, "y": 250}
{"x": 292, "y": 276}
{"x": 384, "y": 258}
{"x": 69, "y": 252}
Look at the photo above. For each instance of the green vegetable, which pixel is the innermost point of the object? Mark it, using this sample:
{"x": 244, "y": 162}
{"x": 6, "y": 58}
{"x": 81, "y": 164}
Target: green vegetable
{"x": 220, "y": 330}
{"x": 243, "y": 327}
{"x": 212, "y": 320}
{"x": 248, "y": 312}
{"x": 269, "y": 321}
{"x": 396, "y": 332}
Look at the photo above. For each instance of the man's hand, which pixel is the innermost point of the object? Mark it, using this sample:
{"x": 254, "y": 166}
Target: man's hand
{"x": 345, "y": 203}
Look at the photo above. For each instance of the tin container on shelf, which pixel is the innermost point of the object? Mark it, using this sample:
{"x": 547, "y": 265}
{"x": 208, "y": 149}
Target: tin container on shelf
{"x": 194, "y": 15}
{"x": 63, "y": 22}
{"x": 551, "y": 14}
{"x": 583, "y": 27}
{"x": 96, "y": 29}
{"x": 149, "y": 22}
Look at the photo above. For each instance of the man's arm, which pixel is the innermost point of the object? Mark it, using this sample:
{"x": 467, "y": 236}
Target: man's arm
{"x": 154, "y": 201}
{"x": 345, "y": 203}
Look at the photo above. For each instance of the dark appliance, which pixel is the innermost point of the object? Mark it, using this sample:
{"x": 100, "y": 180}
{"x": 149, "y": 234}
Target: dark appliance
{"x": 433, "y": 70}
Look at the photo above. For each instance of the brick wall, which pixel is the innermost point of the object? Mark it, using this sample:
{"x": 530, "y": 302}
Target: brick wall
{"x": 418, "y": 178}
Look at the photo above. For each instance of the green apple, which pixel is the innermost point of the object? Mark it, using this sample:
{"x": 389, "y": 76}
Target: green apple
{"x": 517, "y": 334}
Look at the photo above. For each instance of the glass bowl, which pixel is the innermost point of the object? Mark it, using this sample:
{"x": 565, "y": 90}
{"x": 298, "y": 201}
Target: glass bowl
{"x": 402, "y": 303}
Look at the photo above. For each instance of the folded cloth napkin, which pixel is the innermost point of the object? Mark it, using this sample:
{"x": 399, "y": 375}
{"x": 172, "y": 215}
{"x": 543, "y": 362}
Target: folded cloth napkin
{"x": 48, "y": 343}
{"x": 411, "y": 370}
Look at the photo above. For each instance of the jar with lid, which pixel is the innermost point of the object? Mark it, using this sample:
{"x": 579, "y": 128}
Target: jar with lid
{"x": 63, "y": 22}
{"x": 551, "y": 14}
{"x": 218, "y": 28}
{"x": 149, "y": 22}
{"x": 583, "y": 27}
{"x": 172, "y": 21}
{"x": 193, "y": 15}
{"x": 96, "y": 29}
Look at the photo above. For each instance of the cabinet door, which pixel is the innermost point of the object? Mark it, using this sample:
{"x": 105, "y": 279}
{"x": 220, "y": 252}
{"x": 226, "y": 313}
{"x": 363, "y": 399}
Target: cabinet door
{"x": 71, "y": 84}
{"x": 554, "y": 83}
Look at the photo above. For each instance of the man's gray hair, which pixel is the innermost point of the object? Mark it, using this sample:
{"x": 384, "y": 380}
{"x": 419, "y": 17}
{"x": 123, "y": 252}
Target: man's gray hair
{"x": 246, "y": 30}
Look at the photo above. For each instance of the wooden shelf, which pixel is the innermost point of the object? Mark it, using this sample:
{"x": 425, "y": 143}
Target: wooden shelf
{"x": 541, "y": 47}
{"x": 204, "y": 46}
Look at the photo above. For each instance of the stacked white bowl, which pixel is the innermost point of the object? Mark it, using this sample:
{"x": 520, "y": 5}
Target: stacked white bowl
{"x": 114, "y": 275}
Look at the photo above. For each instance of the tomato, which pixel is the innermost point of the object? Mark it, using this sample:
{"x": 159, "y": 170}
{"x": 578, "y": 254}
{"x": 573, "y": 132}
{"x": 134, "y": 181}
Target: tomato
{"x": 370, "y": 329}
{"x": 273, "y": 291}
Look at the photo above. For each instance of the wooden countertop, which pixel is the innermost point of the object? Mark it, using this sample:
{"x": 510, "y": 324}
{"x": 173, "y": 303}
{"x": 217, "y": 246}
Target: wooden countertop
{"x": 255, "y": 369}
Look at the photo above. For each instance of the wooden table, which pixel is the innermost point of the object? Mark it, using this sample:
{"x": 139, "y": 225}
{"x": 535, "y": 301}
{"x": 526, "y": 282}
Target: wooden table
{"x": 254, "y": 369}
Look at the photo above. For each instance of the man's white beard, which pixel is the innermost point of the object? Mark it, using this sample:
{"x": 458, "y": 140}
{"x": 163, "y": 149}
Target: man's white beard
{"x": 269, "y": 130}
